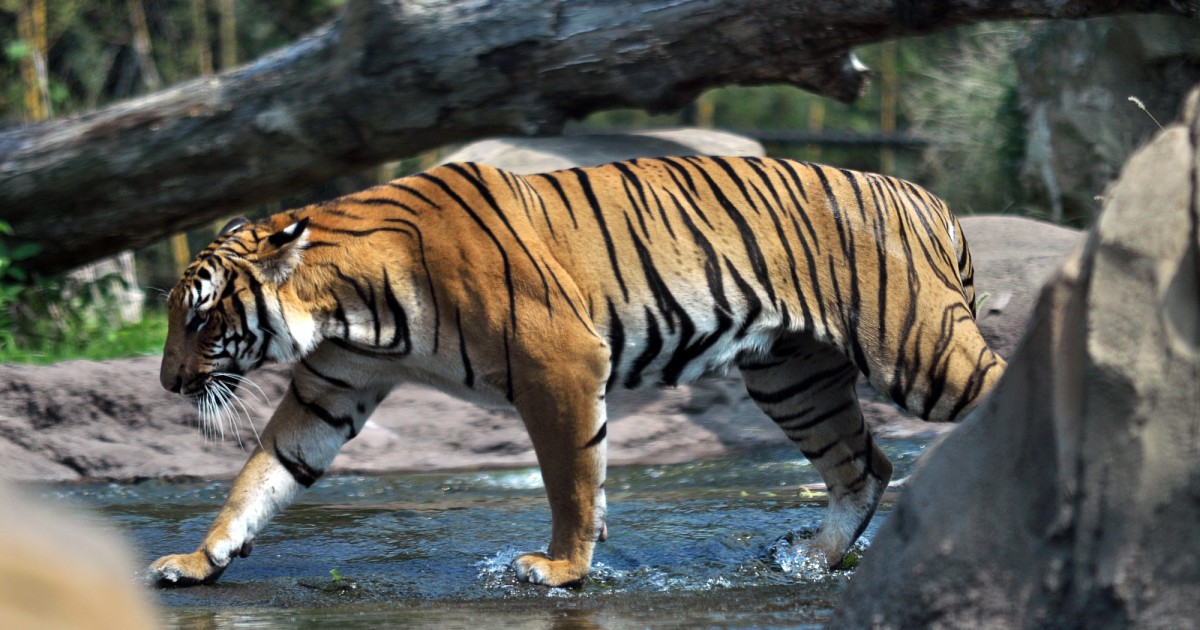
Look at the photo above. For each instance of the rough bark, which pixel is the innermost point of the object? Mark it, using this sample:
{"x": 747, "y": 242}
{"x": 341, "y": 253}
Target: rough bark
{"x": 391, "y": 78}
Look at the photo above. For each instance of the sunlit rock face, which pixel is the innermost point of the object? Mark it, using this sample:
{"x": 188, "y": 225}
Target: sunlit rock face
{"x": 1071, "y": 498}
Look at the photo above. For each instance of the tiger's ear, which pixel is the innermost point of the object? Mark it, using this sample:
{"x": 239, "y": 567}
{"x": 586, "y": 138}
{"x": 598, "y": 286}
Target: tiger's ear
{"x": 280, "y": 254}
{"x": 233, "y": 224}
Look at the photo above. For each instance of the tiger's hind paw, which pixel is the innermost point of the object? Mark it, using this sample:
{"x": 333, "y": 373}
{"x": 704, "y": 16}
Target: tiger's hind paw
{"x": 188, "y": 569}
{"x": 538, "y": 568}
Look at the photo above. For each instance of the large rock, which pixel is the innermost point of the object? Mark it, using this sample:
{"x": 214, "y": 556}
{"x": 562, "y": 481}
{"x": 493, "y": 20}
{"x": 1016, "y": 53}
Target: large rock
{"x": 1071, "y": 497}
{"x": 539, "y": 155}
{"x": 1075, "y": 80}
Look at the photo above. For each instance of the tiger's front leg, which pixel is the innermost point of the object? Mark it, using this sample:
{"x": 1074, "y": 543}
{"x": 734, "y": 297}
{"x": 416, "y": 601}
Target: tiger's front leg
{"x": 564, "y": 410}
{"x": 298, "y": 445}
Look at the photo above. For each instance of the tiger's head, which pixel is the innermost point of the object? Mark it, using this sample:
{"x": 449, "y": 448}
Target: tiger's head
{"x": 226, "y": 316}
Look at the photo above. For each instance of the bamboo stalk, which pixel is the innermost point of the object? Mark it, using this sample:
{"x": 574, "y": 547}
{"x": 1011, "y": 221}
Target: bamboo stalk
{"x": 888, "y": 104}
{"x": 227, "y": 30}
{"x": 816, "y": 123}
{"x": 31, "y": 28}
{"x": 204, "y": 60}
{"x": 143, "y": 47}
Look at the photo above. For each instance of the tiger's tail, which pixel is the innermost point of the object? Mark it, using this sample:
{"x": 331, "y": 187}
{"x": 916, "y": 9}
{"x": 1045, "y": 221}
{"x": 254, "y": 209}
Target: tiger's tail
{"x": 966, "y": 270}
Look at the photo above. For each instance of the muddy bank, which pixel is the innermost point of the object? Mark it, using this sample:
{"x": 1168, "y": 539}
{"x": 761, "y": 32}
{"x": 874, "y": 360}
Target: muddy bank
{"x": 81, "y": 419}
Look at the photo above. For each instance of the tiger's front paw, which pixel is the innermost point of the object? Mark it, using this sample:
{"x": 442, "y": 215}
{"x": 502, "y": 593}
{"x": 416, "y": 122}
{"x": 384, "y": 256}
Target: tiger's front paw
{"x": 186, "y": 569}
{"x": 538, "y": 568}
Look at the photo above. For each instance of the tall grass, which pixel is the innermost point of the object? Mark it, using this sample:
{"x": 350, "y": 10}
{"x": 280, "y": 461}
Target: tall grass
{"x": 965, "y": 98}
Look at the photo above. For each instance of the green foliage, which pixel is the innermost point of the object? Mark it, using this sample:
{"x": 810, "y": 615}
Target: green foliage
{"x": 91, "y": 61}
{"x": 96, "y": 339}
{"x": 957, "y": 88}
{"x": 966, "y": 100}
{"x": 12, "y": 279}
{"x": 45, "y": 320}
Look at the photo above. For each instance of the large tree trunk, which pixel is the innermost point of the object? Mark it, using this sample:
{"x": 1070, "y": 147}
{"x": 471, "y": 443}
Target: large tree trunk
{"x": 391, "y": 78}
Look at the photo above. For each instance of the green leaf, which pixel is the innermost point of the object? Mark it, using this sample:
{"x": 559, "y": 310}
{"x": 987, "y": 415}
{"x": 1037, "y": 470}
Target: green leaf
{"x": 25, "y": 250}
{"x": 17, "y": 50}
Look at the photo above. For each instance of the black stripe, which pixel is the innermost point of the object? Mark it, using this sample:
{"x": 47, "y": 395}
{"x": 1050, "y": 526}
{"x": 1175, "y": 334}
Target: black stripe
{"x": 326, "y": 416}
{"x": 586, "y": 184}
{"x": 399, "y": 317}
{"x": 487, "y": 195}
{"x": 412, "y": 191}
{"x": 247, "y": 335}
{"x": 383, "y": 201}
{"x": 828, "y": 414}
{"x": 361, "y": 233}
{"x": 794, "y": 389}
{"x": 821, "y": 452}
{"x": 631, "y": 182}
{"x": 616, "y": 344}
{"x": 882, "y": 259}
{"x": 541, "y": 204}
{"x": 336, "y": 382}
{"x": 339, "y": 313}
{"x": 304, "y": 474}
{"x": 553, "y": 179}
{"x": 773, "y": 210}
{"x": 689, "y": 192}
{"x": 348, "y": 347}
{"x": 508, "y": 376}
{"x": 469, "y": 379}
{"x": 600, "y": 435}
{"x": 373, "y": 308}
{"x": 757, "y": 261}
{"x": 508, "y": 276}
{"x": 753, "y": 303}
{"x": 662, "y": 212}
{"x": 654, "y": 344}
{"x": 437, "y": 319}
{"x": 260, "y": 306}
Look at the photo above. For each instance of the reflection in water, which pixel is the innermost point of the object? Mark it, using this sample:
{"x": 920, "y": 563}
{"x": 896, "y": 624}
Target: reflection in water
{"x": 690, "y": 545}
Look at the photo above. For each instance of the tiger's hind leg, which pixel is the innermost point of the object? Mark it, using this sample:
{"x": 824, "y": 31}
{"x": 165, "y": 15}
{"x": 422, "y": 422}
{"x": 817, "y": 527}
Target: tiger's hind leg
{"x": 809, "y": 392}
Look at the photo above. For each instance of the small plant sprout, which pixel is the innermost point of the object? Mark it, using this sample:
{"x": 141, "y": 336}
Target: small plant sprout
{"x": 980, "y": 299}
{"x": 1142, "y": 106}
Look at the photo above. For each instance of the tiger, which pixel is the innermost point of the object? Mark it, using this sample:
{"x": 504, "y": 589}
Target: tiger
{"x": 543, "y": 293}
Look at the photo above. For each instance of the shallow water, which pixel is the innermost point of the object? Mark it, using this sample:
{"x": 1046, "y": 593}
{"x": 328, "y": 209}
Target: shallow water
{"x": 689, "y": 545}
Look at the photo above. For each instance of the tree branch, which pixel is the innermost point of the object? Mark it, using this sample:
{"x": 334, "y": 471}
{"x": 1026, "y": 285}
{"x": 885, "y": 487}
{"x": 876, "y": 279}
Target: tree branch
{"x": 391, "y": 78}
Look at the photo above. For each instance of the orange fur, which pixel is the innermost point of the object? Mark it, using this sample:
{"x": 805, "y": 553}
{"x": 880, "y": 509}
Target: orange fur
{"x": 547, "y": 291}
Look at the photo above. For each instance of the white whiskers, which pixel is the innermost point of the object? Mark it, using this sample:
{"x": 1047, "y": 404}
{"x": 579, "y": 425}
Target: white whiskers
{"x": 219, "y": 403}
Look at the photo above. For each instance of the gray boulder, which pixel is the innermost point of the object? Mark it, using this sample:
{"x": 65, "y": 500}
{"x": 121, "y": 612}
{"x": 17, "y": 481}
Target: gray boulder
{"x": 1075, "y": 80}
{"x": 1071, "y": 497}
{"x": 539, "y": 155}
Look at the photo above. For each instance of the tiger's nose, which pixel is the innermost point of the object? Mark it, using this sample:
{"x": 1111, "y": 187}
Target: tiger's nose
{"x": 177, "y": 385}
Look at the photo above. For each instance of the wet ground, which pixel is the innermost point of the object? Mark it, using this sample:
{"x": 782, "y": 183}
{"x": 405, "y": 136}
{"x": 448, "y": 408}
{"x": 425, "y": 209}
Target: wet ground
{"x": 690, "y": 545}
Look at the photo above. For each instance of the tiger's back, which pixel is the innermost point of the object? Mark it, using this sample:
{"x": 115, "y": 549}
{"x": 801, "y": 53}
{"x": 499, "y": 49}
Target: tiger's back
{"x": 545, "y": 292}
{"x": 690, "y": 265}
